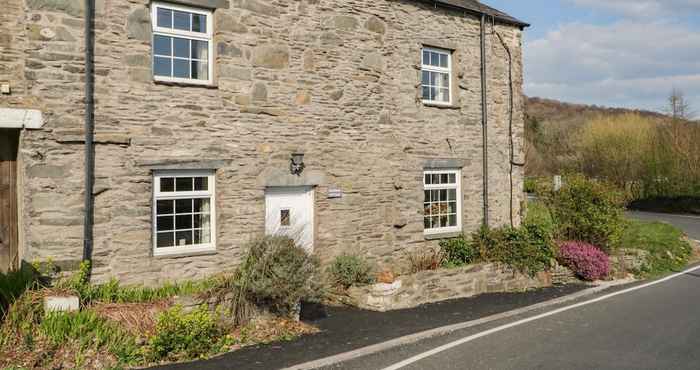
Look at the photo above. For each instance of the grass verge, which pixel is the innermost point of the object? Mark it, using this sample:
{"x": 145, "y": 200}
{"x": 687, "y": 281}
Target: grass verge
{"x": 668, "y": 249}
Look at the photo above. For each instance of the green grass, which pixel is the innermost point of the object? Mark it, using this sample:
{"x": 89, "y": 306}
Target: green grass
{"x": 668, "y": 250}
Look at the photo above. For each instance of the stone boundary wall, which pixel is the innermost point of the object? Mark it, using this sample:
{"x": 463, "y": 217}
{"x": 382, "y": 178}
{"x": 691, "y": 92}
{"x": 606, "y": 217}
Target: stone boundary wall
{"x": 439, "y": 285}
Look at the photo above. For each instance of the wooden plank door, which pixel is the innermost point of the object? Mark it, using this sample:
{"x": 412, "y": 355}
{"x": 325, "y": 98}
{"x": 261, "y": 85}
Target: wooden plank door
{"x": 9, "y": 251}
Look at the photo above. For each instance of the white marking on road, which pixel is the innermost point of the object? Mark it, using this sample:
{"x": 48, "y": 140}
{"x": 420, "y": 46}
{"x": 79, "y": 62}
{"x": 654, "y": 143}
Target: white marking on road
{"x": 470, "y": 338}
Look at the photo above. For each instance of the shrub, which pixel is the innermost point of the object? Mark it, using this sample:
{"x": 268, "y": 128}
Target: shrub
{"x": 588, "y": 210}
{"x": 586, "y": 260}
{"x": 458, "y": 252}
{"x": 424, "y": 260}
{"x": 13, "y": 284}
{"x": 181, "y": 335}
{"x": 529, "y": 249}
{"x": 278, "y": 274}
{"x": 348, "y": 270}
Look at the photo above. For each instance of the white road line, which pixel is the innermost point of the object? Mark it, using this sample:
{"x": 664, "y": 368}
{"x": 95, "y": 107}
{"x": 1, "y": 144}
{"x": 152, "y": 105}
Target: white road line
{"x": 470, "y": 338}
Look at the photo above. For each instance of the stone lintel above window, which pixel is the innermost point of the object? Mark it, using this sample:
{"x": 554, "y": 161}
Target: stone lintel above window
{"x": 183, "y": 164}
{"x": 208, "y": 4}
{"x": 447, "y": 163}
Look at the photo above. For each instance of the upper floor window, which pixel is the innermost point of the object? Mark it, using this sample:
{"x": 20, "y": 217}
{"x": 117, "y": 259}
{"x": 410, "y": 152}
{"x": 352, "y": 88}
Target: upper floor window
{"x": 442, "y": 204}
{"x": 184, "y": 212}
{"x": 182, "y": 44}
{"x": 437, "y": 76}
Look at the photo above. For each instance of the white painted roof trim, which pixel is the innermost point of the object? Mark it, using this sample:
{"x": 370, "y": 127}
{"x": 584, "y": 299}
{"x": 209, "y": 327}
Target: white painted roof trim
{"x": 21, "y": 118}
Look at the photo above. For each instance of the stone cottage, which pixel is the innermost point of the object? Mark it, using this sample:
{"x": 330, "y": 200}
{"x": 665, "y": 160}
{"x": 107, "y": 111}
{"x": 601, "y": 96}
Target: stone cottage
{"x": 372, "y": 127}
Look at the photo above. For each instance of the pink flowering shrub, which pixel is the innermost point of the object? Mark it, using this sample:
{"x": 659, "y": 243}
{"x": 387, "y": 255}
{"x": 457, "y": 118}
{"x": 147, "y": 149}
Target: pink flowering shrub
{"x": 586, "y": 260}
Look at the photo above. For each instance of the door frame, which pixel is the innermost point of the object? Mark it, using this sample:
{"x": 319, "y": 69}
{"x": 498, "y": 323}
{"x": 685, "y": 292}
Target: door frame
{"x": 13, "y": 262}
{"x": 311, "y": 192}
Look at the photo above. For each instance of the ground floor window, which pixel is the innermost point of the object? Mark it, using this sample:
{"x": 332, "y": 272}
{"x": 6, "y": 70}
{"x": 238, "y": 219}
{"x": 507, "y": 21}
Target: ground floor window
{"x": 442, "y": 204}
{"x": 184, "y": 212}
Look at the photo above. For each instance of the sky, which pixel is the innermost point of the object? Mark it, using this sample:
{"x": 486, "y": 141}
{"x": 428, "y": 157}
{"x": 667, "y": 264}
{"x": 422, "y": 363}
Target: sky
{"x": 615, "y": 53}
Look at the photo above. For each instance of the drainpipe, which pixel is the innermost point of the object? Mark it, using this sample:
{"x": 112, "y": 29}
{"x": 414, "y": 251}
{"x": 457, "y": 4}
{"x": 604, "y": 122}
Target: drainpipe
{"x": 484, "y": 121}
{"x": 89, "y": 130}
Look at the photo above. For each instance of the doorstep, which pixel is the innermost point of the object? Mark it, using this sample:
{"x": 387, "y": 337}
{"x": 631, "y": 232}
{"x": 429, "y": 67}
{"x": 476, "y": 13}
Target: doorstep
{"x": 345, "y": 329}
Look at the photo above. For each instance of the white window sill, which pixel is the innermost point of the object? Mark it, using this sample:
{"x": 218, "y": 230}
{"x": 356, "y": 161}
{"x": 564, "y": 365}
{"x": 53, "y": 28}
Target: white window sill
{"x": 441, "y": 105}
{"x": 443, "y": 234}
{"x": 178, "y": 252}
{"x": 185, "y": 83}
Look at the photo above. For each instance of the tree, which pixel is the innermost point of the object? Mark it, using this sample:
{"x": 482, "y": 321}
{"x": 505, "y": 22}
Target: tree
{"x": 678, "y": 106}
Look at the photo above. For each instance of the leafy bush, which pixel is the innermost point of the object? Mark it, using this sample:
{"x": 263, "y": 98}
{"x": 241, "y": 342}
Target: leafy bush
{"x": 586, "y": 260}
{"x": 668, "y": 251}
{"x": 588, "y": 210}
{"x": 458, "y": 252}
{"x": 278, "y": 274}
{"x": 348, "y": 270}
{"x": 529, "y": 249}
{"x": 182, "y": 335}
{"x": 425, "y": 260}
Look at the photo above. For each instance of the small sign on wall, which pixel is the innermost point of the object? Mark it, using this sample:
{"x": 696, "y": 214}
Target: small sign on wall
{"x": 334, "y": 193}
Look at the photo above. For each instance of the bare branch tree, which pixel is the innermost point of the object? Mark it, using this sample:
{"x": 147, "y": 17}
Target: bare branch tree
{"x": 678, "y": 106}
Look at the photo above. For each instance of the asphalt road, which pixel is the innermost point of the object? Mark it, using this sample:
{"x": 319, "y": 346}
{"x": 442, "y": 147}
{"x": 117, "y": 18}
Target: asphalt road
{"x": 656, "y": 327}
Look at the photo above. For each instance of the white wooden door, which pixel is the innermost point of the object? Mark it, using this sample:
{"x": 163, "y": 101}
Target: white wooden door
{"x": 290, "y": 211}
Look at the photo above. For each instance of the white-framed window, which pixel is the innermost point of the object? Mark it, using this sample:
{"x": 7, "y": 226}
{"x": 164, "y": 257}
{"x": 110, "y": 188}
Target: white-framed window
{"x": 442, "y": 204}
{"x": 184, "y": 212}
{"x": 182, "y": 43}
{"x": 436, "y": 72}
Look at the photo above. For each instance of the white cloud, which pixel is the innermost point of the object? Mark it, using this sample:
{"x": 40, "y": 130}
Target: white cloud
{"x": 632, "y": 62}
{"x": 643, "y": 8}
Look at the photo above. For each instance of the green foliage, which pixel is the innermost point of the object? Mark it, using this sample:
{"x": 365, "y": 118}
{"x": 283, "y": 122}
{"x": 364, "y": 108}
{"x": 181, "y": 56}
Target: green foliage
{"x": 587, "y": 210}
{"x": 348, "y": 270}
{"x": 458, "y": 252}
{"x": 181, "y": 335}
{"x": 278, "y": 274}
{"x": 529, "y": 249}
{"x": 665, "y": 243}
{"x": 14, "y": 283}
{"x": 90, "y": 331}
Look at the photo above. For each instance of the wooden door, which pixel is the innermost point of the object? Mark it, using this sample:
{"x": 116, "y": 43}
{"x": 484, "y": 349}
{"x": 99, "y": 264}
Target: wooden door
{"x": 9, "y": 252}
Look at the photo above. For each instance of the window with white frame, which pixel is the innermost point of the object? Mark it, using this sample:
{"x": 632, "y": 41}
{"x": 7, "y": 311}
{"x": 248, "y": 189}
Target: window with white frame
{"x": 184, "y": 217}
{"x": 442, "y": 204}
{"x": 436, "y": 76}
{"x": 182, "y": 44}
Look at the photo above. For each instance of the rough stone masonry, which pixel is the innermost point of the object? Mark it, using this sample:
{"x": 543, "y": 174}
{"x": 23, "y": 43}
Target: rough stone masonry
{"x": 338, "y": 80}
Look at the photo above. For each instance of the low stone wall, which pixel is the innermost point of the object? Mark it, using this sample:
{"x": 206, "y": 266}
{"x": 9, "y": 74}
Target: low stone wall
{"x": 439, "y": 285}
{"x": 626, "y": 261}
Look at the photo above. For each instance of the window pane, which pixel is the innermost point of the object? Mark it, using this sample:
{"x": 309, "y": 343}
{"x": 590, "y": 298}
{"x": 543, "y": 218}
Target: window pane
{"x": 183, "y": 222}
{"x": 426, "y": 57}
{"x": 452, "y": 207}
{"x": 200, "y": 183}
{"x": 199, "y": 23}
{"x": 201, "y": 205}
{"x": 443, "y": 178}
{"x": 426, "y": 209}
{"x": 167, "y": 184}
{"x": 443, "y": 208}
{"x": 181, "y": 68}
{"x": 431, "y": 78}
{"x": 183, "y": 206}
{"x": 452, "y": 219}
{"x": 452, "y": 194}
{"x": 201, "y": 236}
{"x": 443, "y": 195}
{"x": 165, "y": 207}
{"x": 200, "y": 50}
{"x": 201, "y": 221}
{"x": 183, "y": 238}
{"x": 443, "y": 60}
{"x": 426, "y": 93}
{"x": 444, "y": 95}
{"x": 453, "y": 178}
{"x": 165, "y": 18}
{"x": 181, "y": 21}
{"x": 443, "y": 221}
{"x": 181, "y": 47}
{"x": 165, "y": 223}
{"x": 435, "y": 222}
{"x": 161, "y": 45}
{"x": 436, "y": 180}
{"x": 162, "y": 66}
{"x": 426, "y": 195}
{"x": 434, "y": 59}
{"x": 426, "y": 179}
{"x": 285, "y": 218}
{"x": 164, "y": 240}
{"x": 443, "y": 80}
{"x": 183, "y": 184}
{"x": 200, "y": 70}
{"x": 425, "y": 77}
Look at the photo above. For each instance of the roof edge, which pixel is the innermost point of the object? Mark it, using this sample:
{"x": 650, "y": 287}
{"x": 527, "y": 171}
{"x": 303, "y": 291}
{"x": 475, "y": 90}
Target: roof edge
{"x": 496, "y": 15}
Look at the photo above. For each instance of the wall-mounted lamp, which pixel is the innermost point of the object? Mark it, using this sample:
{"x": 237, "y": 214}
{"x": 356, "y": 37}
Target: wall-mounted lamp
{"x": 296, "y": 167}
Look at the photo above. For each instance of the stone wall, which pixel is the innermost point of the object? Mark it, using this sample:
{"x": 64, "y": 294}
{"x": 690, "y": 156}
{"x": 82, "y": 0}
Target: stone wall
{"x": 434, "y": 286}
{"x": 337, "y": 80}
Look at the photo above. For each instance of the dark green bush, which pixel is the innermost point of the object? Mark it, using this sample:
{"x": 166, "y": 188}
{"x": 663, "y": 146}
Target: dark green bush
{"x": 588, "y": 210}
{"x": 181, "y": 335}
{"x": 278, "y": 274}
{"x": 458, "y": 252}
{"x": 348, "y": 270}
